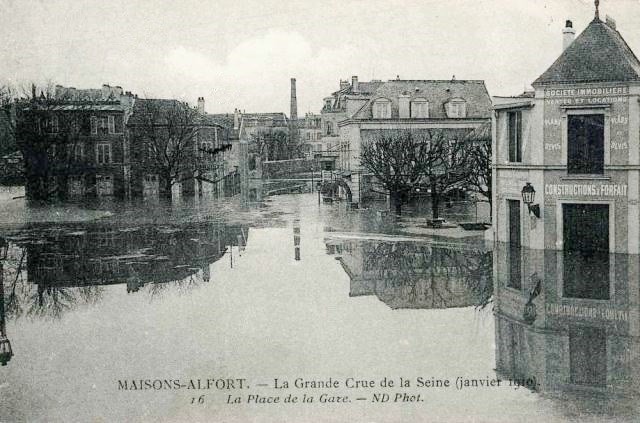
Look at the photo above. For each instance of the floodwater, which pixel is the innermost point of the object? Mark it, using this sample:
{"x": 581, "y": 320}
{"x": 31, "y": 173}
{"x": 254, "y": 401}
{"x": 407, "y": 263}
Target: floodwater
{"x": 114, "y": 311}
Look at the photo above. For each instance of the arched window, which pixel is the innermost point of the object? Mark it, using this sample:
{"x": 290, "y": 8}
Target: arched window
{"x": 420, "y": 108}
{"x": 329, "y": 128}
{"x": 382, "y": 108}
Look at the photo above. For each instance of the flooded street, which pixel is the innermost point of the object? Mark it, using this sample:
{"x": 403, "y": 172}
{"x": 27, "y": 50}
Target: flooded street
{"x": 110, "y": 296}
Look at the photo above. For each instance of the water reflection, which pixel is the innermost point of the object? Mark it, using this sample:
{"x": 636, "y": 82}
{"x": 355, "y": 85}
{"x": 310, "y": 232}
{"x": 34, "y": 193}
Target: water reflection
{"x": 405, "y": 274}
{"x": 6, "y": 351}
{"x": 573, "y": 325}
{"x": 52, "y": 269}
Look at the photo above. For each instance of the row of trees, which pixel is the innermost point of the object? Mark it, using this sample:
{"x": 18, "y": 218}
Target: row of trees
{"x": 407, "y": 162}
{"x": 275, "y": 144}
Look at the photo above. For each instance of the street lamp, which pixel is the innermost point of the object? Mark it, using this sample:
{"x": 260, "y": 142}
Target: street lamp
{"x": 5, "y": 350}
{"x": 528, "y": 196}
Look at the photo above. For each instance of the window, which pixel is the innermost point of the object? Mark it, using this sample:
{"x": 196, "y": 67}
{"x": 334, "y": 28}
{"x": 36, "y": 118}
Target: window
{"x": 308, "y": 136}
{"x": 102, "y": 125}
{"x": 103, "y": 155}
{"x": 51, "y": 125}
{"x": 585, "y": 144}
{"x": 514, "y": 129}
{"x": 78, "y": 152}
{"x": 94, "y": 125}
{"x": 206, "y": 147}
{"x": 419, "y": 108}
{"x": 112, "y": 125}
{"x": 75, "y": 152}
{"x": 382, "y": 109}
{"x": 329, "y": 128}
{"x": 457, "y": 108}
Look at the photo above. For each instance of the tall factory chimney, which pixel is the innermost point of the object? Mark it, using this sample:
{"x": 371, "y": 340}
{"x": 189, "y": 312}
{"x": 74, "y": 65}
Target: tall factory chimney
{"x": 293, "y": 113}
{"x": 294, "y": 101}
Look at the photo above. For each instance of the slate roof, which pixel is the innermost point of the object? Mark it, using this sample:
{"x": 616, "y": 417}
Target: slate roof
{"x": 141, "y": 106}
{"x": 436, "y": 92}
{"x": 598, "y": 54}
{"x": 365, "y": 87}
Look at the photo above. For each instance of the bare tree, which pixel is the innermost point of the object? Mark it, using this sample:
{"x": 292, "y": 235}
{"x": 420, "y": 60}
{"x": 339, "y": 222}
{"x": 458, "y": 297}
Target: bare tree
{"x": 49, "y": 134}
{"x": 164, "y": 133}
{"x": 448, "y": 163}
{"x": 274, "y": 144}
{"x": 480, "y": 161}
{"x": 397, "y": 159}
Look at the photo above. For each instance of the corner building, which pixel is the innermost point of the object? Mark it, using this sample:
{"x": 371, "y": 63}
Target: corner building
{"x": 567, "y": 281}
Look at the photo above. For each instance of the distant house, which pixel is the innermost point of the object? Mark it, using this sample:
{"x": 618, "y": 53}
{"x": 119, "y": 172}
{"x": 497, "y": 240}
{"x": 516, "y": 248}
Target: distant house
{"x": 355, "y": 113}
{"x": 310, "y": 134}
{"x": 74, "y": 142}
{"x": 341, "y": 105}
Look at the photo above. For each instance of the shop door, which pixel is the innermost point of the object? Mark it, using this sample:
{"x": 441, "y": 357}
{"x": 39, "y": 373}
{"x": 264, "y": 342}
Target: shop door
{"x": 515, "y": 246}
{"x": 586, "y": 251}
{"x": 588, "y": 356}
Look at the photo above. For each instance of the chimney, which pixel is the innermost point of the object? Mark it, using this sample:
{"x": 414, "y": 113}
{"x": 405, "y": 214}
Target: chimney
{"x": 201, "y": 105}
{"x": 610, "y": 21}
{"x": 236, "y": 119}
{"x": 568, "y": 34}
{"x": 106, "y": 91}
{"x": 294, "y": 101}
{"x": 354, "y": 84}
{"x": 344, "y": 84}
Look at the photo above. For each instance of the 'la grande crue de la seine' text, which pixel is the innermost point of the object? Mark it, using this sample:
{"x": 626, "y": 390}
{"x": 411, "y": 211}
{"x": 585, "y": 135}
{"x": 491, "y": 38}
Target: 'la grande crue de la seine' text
{"x": 321, "y": 390}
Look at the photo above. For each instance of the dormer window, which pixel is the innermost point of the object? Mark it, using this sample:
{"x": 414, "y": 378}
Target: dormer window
{"x": 457, "y": 108}
{"x": 420, "y": 108}
{"x": 382, "y": 109}
{"x": 327, "y": 104}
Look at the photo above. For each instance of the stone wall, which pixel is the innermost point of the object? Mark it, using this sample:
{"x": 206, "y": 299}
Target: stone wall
{"x": 280, "y": 168}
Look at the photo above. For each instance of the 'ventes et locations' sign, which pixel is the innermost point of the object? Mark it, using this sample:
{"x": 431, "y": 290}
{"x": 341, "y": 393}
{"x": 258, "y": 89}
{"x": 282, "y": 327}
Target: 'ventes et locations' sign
{"x": 586, "y": 95}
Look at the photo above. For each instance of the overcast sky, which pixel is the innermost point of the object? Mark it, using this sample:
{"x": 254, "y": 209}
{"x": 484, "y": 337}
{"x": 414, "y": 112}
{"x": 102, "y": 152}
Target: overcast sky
{"x": 243, "y": 53}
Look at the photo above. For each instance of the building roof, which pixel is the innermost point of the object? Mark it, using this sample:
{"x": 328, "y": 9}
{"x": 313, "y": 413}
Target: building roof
{"x": 364, "y": 88}
{"x": 143, "y": 106}
{"x": 270, "y": 119}
{"x": 437, "y": 92}
{"x": 598, "y": 54}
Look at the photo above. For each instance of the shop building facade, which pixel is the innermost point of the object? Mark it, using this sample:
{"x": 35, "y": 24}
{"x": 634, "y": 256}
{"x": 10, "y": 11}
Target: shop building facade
{"x": 566, "y": 216}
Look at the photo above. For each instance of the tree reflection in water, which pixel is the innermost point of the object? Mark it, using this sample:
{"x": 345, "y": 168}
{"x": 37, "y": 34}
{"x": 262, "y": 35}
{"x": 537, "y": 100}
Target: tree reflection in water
{"x": 50, "y": 270}
{"x": 419, "y": 275}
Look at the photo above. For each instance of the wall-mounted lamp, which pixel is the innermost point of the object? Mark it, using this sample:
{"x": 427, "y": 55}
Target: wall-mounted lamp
{"x": 528, "y": 196}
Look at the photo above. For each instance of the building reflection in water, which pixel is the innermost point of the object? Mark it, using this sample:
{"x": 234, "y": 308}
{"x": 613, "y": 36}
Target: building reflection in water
{"x": 574, "y": 327}
{"x": 57, "y": 268}
{"x": 296, "y": 239}
{"x": 5, "y": 345}
{"x": 415, "y": 274}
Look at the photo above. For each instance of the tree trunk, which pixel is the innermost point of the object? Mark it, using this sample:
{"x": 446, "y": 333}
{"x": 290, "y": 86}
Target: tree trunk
{"x": 167, "y": 185}
{"x": 435, "y": 202}
{"x": 396, "y": 202}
